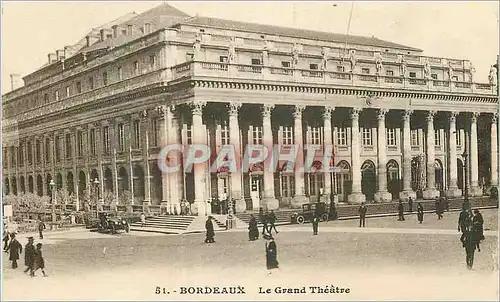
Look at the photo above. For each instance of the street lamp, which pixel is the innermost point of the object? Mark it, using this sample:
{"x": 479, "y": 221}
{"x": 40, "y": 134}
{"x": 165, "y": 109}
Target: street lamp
{"x": 52, "y": 185}
{"x": 95, "y": 185}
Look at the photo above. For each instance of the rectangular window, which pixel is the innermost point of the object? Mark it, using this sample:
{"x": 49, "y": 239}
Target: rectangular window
{"x": 342, "y": 137}
{"x": 147, "y": 28}
{"x": 459, "y": 138}
{"x": 58, "y": 148}
{"x": 13, "y": 156}
{"x": 104, "y": 78}
{"x": 367, "y": 137}
{"x": 137, "y": 134}
{"x": 340, "y": 69}
{"x": 437, "y": 137}
{"x": 56, "y": 95}
{"x": 389, "y": 73}
{"x": 156, "y": 131}
{"x": 413, "y": 75}
{"x": 313, "y": 66}
{"x": 414, "y": 137}
{"x": 69, "y": 151}
{"x": 223, "y": 59}
{"x": 79, "y": 143}
{"x": 93, "y": 142}
{"x": 129, "y": 30}
{"x": 105, "y": 139}
{"x": 285, "y": 64}
{"x": 434, "y": 76}
{"x": 47, "y": 150}
{"x": 256, "y": 62}
{"x": 365, "y": 70}
{"x": 91, "y": 83}
{"x": 78, "y": 87}
{"x": 38, "y": 152}
{"x": 287, "y": 136}
{"x": 391, "y": 137}
{"x": 224, "y": 135}
{"x": 30, "y": 153}
{"x": 121, "y": 137}
{"x": 120, "y": 73}
{"x": 68, "y": 91}
{"x": 257, "y": 135}
{"x": 45, "y": 98}
{"x": 20, "y": 152}
{"x": 454, "y": 78}
{"x": 152, "y": 61}
{"x": 315, "y": 136}
{"x": 135, "y": 68}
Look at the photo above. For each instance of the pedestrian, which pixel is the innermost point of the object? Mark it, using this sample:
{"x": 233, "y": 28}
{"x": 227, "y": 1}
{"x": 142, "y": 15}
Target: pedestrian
{"x": 209, "y": 226}
{"x": 264, "y": 220}
{"x": 272, "y": 221}
{"x": 446, "y": 203}
{"x": 41, "y": 227}
{"x": 477, "y": 227}
{"x": 29, "y": 256}
{"x": 253, "y": 230}
{"x": 410, "y": 205}
{"x": 362, "y": 214}
{"x": 6, "y": 238}
{"x": 464, "y": 221}
{"x": 420, "y": 212}
{"x": 401, "y": 214}
{"x": 143, "y": 219}
{"x": 439, "y": 209}
{"x": 315, "y": 223}
{"x": 271, "y": 255}
{"x": 332, "y": 210}
{"x": 469, "y": 244}
{"x": 15, "y": 249}
{"x": 39, "y": 261}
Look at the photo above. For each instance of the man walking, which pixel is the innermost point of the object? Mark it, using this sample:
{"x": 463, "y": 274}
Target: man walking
{"x": 315, "y": 223}
{"x": 209, "y": 226}
{"x": 477, "y": 228}
{"x": 362, "y": 214}
{"x": 15, "y": 249}
{"x": 420, "y": 212}
{"x": 439, "y": 208}
{"x": 410, "y": 205}
{"x": 272, "y": 221}
{"x": 469, "y": 244}
{"x": 41, "y": 227}
{"x": 264, "y": 220}
{"x": 29, "y": 256}
{"x": 401, "y": 215}
{"x": 464, "y": 220}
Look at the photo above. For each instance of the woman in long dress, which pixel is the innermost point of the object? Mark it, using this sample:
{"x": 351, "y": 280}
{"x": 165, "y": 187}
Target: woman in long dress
{"x": 271, "y": 254}
{"x": 253, "y": 230}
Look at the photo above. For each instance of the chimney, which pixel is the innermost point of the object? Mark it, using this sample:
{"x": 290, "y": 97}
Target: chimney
{"x": 60, "y": 54}
{"x": 129, "y": 30}
{"x": 67, "y": 51}
{"x": 90, "y": 40}
{"x": 103, "y": 35}
{"x": 115, "y": 31}
{"x": 15, "y": 81}
{"x": 52, "y": 57}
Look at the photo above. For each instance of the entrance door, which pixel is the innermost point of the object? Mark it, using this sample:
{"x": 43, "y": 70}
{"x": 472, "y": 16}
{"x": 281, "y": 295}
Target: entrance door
{"x": 368, "y": 179}
{"x": 287, "y": 189}
{"x": 315, "y": 186}
{"x": 255, "y": 190}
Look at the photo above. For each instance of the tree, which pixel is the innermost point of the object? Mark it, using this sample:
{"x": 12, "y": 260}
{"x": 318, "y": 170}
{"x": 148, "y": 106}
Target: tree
{"x": 64, "y": 197}
{"x": 108, "y": 197}
{"x": 125, "y": 198}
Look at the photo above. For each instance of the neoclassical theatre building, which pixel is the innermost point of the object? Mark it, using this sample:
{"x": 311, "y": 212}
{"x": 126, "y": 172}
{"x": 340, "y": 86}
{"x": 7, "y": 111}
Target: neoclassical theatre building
{"x": 103, "y": 108}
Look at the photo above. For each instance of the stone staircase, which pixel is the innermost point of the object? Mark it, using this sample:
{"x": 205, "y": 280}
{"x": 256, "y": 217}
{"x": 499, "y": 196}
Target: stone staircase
{"x": 169, "y": 224}
{"x": 282, "y": 216}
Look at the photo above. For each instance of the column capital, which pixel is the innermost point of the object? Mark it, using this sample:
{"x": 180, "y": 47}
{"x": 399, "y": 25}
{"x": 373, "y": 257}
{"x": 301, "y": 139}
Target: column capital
{"x": 381, "y": 113}
{"x": 453, "y": 116}
{"x": 407, "y": 114}
{"x": 234, "y": 108}
{"x": 474, "y": 117}
{"x": 197, "y": 107}
{"x": 327, "y": 112}
{"x": 494, "y": 118}
{"x": 143, "y": 114}
{"x": 266, "y": 110}
{"x": 430, "y": 115}
{"x": 355, "y": 113}
{"x": 165, "y": 109}
{"x": 298, "y": 111}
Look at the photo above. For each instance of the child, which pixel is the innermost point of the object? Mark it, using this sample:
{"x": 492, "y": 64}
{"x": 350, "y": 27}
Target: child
{"x": 39, "y": 262}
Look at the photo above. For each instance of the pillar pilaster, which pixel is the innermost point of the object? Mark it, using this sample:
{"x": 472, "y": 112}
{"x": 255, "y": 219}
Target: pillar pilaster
{"x": 430, "y": 191}
{"x": 270, "y": 201}
{"x": 356, "y": 195}
{"x": 407, "y": 190}
{"x": 300, "y": 197}
{"x": 474, "y": 167}
{"x": 198, "y": 137}
{"x": 494, "y": 151}
{"x": 145, "y": 124}
{"x": 453, "y": 190}
{"x": 382, "y": 195}
{"x": 328, "y": 147}
{"x": 234, "y": 139}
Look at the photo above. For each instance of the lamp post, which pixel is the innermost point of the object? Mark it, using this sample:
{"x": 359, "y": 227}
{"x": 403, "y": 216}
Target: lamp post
{"x": 52, "y": 185}
{"x": 95, "y": 188}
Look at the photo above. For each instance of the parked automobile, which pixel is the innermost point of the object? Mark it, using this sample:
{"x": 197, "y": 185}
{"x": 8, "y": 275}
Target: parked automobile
{"x": 107, "y": 223}
{"x": 308, "y": 212}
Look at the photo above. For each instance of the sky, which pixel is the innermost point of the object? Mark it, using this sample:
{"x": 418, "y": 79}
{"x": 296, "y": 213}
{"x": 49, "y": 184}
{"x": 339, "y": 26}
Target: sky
{"x": 461, "y": 30}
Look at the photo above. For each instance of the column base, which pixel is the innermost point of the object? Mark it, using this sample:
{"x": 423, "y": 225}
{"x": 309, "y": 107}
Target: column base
{"x": 356, "y": 198}
{"x": 383, "y": 197}
{"x": 164, "y": 208}
{"x": 145, "y": 206}
{"x": 405, "y": 195}
{"x": 453, "y": 193}
{"x": 298, "y": 201}
{"x": 241, "y": 205}
{"x": 431, "y": 194}
{"x": 476, "y": 191}
{"x": 271, "y": 203}
{"x": 325, "y": 198}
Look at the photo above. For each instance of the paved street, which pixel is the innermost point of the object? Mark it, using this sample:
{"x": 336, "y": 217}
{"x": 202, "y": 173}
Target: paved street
{"x": 386, "y": 260}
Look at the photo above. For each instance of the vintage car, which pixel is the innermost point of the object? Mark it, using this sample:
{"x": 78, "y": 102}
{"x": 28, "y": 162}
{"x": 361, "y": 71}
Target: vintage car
{"x": 107, "y": 222}
{"x": 308, "y": 212}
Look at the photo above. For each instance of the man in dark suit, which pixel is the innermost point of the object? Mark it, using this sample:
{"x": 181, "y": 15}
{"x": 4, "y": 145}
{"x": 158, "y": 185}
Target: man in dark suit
{"x": 41, "y": 227}
{"x": 410, "y": 205}
{"x": 362, "y": 214}
{"x": 401, "y": 214}
{"x": 15, "y": 249}
{"x": 29, "y": 256}
{"x": 315, "y": 223}
{"x": 272, "y": 221}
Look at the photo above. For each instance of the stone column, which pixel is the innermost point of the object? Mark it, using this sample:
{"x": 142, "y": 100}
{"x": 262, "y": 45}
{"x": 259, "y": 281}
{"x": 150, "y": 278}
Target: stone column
{"x": 453, "y": 190}
{"x": 76, "y": 176}
{"x": 176, "y": 180}
{"x": 407, "y": 191}
{"x": 25, "y": 162}
{"x": 112, "y": 148}
{"x": 34, "y": 164}
{"x": 328, "y": 146}
{"x": 474, "y": 168}
{"x": 270, "y": 201}
{"x": 234, "y": 138}
{"x": 382, "y": 195}
{"x": 430, "y": 191}
{"x": 165, "y": 127}
{"x": 145, "y": 153}
{"x": 198, "y": 137}
{"x": 300, "y": 196}
{"x": 43, "y": 171}
{"x": 356, "y": 195}
{"x": 494, "y": 151}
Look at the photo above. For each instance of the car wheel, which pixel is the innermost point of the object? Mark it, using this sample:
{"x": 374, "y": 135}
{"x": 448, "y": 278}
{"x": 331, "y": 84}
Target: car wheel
{"x": 324, "y": 217}
{"x": 300, "y": 219}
